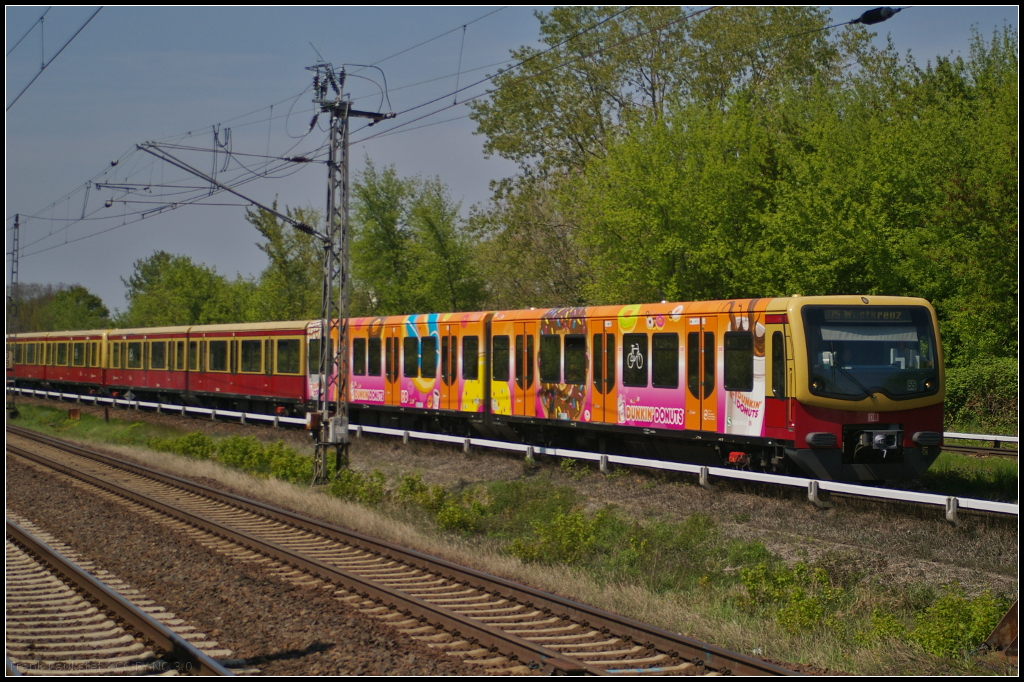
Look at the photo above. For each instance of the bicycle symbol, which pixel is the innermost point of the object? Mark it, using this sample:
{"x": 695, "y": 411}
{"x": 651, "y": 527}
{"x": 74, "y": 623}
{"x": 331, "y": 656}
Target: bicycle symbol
{"x": 635, "y": 359}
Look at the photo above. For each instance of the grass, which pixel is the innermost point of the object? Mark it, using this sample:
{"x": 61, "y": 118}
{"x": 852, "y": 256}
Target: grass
{"x": 986, "y": 478}
{"x": 703, "y": 573}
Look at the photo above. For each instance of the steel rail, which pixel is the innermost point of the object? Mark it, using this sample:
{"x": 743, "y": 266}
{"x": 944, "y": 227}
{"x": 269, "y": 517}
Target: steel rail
{"x": 140, "y": 621}
{"x": 477, "y": 633}
{"x": 692, "y": 650}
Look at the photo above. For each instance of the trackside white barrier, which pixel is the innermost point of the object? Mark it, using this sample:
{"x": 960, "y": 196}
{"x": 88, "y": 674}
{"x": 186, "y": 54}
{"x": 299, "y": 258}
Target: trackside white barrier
{"x": 775, "y": 479}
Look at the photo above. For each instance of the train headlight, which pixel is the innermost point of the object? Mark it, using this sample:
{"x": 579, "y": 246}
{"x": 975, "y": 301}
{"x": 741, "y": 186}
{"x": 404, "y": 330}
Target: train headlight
{"x": 929, "y": 384}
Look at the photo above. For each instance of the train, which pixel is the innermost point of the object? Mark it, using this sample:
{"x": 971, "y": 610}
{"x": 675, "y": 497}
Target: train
{"x": 844, "y": 388}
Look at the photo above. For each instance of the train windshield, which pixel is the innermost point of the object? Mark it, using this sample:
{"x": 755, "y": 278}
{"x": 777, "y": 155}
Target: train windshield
{"x": 855, "y": 352}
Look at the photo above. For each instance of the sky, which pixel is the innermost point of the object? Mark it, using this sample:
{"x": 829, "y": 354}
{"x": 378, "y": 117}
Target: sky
{"x": 172, "y": 75}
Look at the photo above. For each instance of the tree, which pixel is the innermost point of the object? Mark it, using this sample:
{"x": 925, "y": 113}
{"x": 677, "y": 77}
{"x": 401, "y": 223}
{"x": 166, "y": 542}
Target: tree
{"x": 611, "y": 70}
{"x": 528, "y": 249}
{"x": 290, "y": 287}
{"x": 381, "y": 239}
{"x": 441, "y": 251}
{"x": 166, "y": 290}
{"x": 45, "y": 307}
{"x": 78, "y": 308}
{"x": 411, "y": 252}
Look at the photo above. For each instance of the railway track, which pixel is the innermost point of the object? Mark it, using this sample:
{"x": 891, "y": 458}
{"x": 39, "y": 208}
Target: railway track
{"x": 981, "y": 451}
{"x": 492, "y": 624}
{"x": 60, "y": 620}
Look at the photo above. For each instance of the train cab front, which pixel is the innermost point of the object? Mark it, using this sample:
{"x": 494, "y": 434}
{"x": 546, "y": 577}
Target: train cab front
{"x": 868, "y": 386}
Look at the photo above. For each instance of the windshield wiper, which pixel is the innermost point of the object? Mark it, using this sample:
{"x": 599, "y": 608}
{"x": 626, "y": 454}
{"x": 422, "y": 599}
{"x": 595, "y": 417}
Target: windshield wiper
{"x": 868, "y": 392}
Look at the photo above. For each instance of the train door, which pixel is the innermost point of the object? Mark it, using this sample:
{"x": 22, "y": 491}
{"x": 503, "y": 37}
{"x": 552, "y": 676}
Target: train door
{"x": 524, "y": 403}
{"x": 449, "y": 366}
{"x": 603, "y": 405}
{"x": 702, "y": 373}
{"x": 392, "y": 341}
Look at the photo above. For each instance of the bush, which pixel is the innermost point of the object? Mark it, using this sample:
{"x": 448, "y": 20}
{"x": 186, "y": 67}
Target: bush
{"x": 356, "y": 487}
{"x": 196, "y": 445}
{"x": 288, "y": 465}
{"x": 955, "y": 624}
{"x": 983, "y": 395}
{"x": 567, "y": 538}
{"x": 801, "y": 598}
{"x": 244, "y": 452}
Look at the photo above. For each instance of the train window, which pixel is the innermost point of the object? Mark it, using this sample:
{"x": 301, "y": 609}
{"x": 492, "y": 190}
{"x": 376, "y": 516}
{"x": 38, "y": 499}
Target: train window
{"x": 49, "y": 354}
{"x": 252, "y": 356}
{"x": 575, "y": 359}
{"x": 289, "y": 360}
{"x": 78, "y": 354}
{"x": 94, "y": 354}
{"x": 778, "y": 365}
{"x": 411, "y": 356}
{"x": 30, "y": 354}
{"x": 709, "y": 363}
{"x": 634, "y": 360}
{"x": 218, "y": 360}
{"x": 19, "y": 353}
{"x": 499, "y": 358}
{"x": 133, "y": 359}
{"x": 115, "y": 355}
{"x": 179, "y": 355}
{"x": 665, "y": 360}
{"x": 158, "y": 355}
{"x": 739, "y": 361}
{"x": 313, "y": 355}
{"x": 193, "y": 356}
{"x": 373, "y": 357}
{"x": 549, "y": 358}
{"x": 359, "y": 357}
{"x": 470, "y": 358}
{"x": 62, "y": 353}
{"x": 268, "y": 356}
{"x": 428, "y": 361}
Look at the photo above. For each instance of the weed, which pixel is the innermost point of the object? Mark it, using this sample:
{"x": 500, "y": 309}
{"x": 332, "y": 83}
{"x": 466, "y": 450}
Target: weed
{"x": 956, "y": 623}
{"x": 356, "y": 487}
{"x": 573, "y": 469}
{"x": 741, "y": 518}
{"x": 567, "y": 538}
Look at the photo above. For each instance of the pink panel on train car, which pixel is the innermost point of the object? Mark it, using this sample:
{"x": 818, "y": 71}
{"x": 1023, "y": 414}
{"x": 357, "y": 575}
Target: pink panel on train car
{"x": 368, "y": 388}
{"x": 640, "y": 402}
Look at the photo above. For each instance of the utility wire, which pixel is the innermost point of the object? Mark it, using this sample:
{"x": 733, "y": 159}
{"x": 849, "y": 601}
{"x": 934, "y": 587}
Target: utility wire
{"x": 28, "y": 31}
{"x": 43, "y": 67}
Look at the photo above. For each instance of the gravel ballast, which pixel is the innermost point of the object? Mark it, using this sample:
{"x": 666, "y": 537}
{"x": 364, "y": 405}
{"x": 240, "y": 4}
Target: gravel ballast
{"x": 280, "y": 628}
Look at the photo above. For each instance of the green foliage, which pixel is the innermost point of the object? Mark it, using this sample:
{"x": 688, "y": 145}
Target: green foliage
{"x": 245, "y": 453}
{"x": 884, "y": 626}
{"x": 982, "y": 395}
{"x": 369, "y": 489}
{"x": 290, "y": 287}
{"x": 411, "y": 252}
{"x": 956, "y": 624}
{"x": 195, "y": 445}
{"x": 567, "y": 538}
{"x": 167, "y": 290}
{"x": 55, "y": 308}
{"x": 573, "y": 469}
{"x": 801, "y": 598}
{"x": 989, "y": 478}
